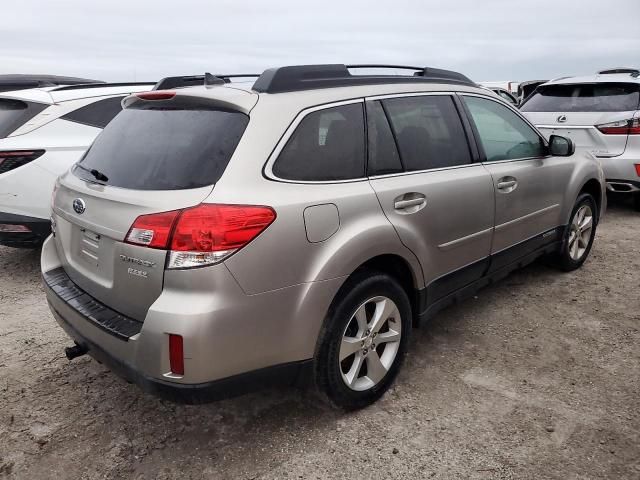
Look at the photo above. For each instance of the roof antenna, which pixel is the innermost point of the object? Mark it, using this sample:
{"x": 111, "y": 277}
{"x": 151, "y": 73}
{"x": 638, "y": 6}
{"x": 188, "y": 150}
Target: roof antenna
{"x": 211, "y": 80}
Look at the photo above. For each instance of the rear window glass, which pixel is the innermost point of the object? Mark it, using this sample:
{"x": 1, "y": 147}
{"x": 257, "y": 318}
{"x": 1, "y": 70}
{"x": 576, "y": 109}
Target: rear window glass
{"x": 597, "y": 97}
{"x": 97, "y": 114}
{"x": 15, "y": 113}
{"x": 164, "y": 148}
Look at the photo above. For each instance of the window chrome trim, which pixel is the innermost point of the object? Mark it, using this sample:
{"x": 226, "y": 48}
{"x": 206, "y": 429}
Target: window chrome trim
{"x": 268, "y": 168}
{"x": 519, "y": 114}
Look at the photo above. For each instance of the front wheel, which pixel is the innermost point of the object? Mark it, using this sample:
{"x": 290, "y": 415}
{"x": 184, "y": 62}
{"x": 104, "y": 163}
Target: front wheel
{"x": 364, "y": 340}
{"x": 580, "y": 233}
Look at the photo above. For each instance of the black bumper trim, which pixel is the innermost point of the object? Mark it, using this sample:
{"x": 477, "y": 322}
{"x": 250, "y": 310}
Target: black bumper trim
{"x": 40, "y": 230}
{"x": 116, "y": 324}
{"x": 286, "y": 374}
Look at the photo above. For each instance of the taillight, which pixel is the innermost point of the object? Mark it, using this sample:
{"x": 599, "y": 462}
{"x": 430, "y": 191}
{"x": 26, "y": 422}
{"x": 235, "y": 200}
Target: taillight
{"x": 201, "y": 235}
{"x": 621, "y": 127}
{"x": 17, "y": 158}
{"x": 156, "y": 95}
{"x": 176, "y": 354}
{"x": 152, "y": 230}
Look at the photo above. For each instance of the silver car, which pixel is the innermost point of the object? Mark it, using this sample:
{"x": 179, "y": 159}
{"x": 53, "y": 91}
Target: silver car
{"x": 219, "y": 238}
{"x": 600, "y": 113}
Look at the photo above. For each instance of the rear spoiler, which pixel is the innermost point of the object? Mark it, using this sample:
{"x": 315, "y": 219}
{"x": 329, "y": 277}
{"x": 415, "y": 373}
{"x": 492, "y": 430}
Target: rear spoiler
{"x": 207, "y": 80}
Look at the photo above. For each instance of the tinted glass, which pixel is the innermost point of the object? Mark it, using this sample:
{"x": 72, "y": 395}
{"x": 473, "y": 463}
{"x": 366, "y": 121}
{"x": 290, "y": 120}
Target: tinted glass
{"x": 598, "y": 97}
{"x": 428, "y": 131}
{"x": 327, "y": 145}
{"x": 504, "y": 135}
{"x": 97, "y": 114}
{"x": 15, "y": 113}
{"x": 383, "y": 154}
{"x": 165, "y": 149}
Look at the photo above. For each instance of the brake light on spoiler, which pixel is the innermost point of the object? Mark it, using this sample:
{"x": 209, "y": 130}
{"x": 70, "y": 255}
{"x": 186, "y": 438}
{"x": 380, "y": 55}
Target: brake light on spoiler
{"x": 621, "y": 127}
{"x": 202, "y": 235}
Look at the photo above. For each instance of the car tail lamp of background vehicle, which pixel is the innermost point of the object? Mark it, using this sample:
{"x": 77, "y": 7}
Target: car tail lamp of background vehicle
{"x": 14, "y": 159}
{"x": 621, "y": 127}
{"x": 201, "y": 235}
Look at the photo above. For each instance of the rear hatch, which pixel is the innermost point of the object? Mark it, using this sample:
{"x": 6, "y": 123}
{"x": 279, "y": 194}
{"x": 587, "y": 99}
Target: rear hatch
{"x": 588, "y": 113}
{"x": 155, "y": 156}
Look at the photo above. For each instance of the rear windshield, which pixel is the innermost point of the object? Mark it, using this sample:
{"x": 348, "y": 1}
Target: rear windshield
{"x": 15, "y": 113}
{"x": 597, "y": 97}
{"x": 164, "y": 147}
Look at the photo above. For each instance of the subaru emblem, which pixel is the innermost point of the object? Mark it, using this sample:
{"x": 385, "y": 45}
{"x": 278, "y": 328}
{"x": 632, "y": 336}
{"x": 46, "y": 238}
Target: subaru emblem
{"x": 79, "y": 206}
{"x": 562, "y": 118}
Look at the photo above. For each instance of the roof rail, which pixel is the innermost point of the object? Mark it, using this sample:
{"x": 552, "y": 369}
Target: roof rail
{"x": 23, "y": 81}
{"x": 83, "y": 86}
{"x": 632, "y": 71}
{"x": 198, "y": 80}
{"x": 310, "y": 77}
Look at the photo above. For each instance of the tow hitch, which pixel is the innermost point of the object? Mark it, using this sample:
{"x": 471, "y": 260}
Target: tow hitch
{"x": 75, "y": 351}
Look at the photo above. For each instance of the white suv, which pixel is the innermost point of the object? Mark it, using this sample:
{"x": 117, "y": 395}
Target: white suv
{"x": 600, "y": 113}
{"x": 43, "y": 131}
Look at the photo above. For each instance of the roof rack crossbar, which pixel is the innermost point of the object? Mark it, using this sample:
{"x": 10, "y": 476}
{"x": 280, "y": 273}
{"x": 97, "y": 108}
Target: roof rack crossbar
{"x": 310, "y": 77}
{"x": 630, "y": 70}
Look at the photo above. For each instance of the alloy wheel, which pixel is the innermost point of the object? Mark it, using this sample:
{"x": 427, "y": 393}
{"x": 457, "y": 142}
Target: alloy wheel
{"x": 580, "y": 232}
{"x": 370, "y": 343}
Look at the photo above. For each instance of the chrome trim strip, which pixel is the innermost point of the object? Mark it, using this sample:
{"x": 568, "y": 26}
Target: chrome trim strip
{"x": 462, "y": 240}
{"x": 515, "y": 221}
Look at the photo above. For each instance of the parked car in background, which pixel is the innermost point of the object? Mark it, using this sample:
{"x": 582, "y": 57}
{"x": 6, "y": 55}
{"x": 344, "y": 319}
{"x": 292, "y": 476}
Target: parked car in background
{"x": 511, "y": 87}
{"x": 43, "y": 131}
{"x": 13, "y": 82}
{"x": 525, "y": 89}
{"x": 600, "y": 113}
{"x": 216, "y": 239}
{"x": 505, "y": 95}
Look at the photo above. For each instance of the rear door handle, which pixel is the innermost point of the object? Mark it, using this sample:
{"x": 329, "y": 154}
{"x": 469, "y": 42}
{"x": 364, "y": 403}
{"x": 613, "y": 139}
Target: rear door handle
{"x": 413, "y": 203}
{"x": 507, "y": 184}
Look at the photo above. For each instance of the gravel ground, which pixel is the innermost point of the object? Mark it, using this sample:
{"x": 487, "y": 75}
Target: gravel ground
{"x": 536, "y": 377}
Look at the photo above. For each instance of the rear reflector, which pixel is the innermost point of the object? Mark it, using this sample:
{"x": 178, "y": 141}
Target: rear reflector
{"x": 201, "y": 235}
{"x": 621, "y": 127}
{"x": 637, "y": 165}
{"x": 156, "y": 95}
{"x": 8, "y": 228}
{"x": 176, "y": 354}
{"x": 17, "y": 158}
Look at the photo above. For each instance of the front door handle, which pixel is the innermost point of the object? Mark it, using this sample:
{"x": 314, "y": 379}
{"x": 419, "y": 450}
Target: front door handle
{"x": 507, "y": 184}
{"x": 409, "y": 202}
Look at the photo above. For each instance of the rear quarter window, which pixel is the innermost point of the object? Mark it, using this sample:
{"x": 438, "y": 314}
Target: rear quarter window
{"x": 97, "y": 114}
{"x": 15, "y": 113}
{"x": 327, "y": 145}
{"x": 165, "y": 146}
{"x": 596, "y": 97}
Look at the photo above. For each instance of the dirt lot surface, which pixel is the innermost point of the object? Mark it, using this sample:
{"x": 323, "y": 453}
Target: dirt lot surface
{"x": 537, "y": 377}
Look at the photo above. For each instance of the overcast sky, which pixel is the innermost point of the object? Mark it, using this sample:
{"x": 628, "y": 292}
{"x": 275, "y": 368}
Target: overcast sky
{"x": 120, "y": 40}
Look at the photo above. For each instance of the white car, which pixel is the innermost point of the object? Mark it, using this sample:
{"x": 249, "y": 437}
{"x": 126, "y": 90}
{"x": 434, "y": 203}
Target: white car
{"x": 43, "y": 131}
{"x": 600, "y": 113}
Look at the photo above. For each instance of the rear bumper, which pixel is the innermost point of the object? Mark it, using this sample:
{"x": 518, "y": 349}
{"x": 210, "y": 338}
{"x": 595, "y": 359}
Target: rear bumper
{"x": 30, "y": 231}
{"x": 233, "y": 342}
{"x": 623, "y": 186}
{"x": 621, "y": 173}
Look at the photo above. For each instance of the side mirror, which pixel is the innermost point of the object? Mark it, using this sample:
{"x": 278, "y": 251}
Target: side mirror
{"x": 561, "y": 146}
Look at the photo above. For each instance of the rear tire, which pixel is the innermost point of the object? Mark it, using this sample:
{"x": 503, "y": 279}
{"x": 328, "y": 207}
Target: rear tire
{"x": 364, "y": 340}
{"x": 579, "y": 234}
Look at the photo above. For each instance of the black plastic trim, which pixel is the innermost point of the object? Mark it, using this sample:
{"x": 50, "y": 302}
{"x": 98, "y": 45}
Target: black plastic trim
{"x": 87, "y": 86}
{"x": 40, "y": 230}
{"x": 311, "y": 77}
{"x": 118, "y": 325}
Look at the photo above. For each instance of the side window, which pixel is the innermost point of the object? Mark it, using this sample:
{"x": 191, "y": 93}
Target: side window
{"x": 428, "y": 131}
{"x": 327, "y": 145}
{"x": 97, "y": 114}
{"x": 504, "y": 135}
{"x": 383, "y": 153}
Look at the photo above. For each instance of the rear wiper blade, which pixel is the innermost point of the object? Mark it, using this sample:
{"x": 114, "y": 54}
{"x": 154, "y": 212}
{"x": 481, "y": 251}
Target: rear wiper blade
{"x": 97, "y": 174}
